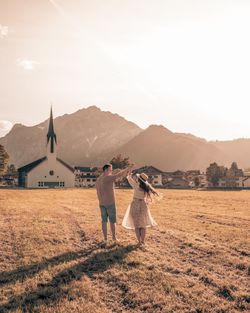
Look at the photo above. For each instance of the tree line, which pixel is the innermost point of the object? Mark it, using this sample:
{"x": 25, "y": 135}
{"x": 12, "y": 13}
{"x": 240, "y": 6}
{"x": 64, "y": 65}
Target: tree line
{"x": 4, "y": 158}
{"x": 216, "y": 172}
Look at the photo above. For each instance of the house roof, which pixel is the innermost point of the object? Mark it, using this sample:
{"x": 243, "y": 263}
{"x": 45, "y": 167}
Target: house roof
{"x": 85, "y": 176}
{"x": 178, "y": 172}
{"x": 148, "y": 169}
{"x": 28, "y": 167}
{"x": 85, "y": 169}
{"x": 178, "y": 179}
{"x": 195, "y": 172}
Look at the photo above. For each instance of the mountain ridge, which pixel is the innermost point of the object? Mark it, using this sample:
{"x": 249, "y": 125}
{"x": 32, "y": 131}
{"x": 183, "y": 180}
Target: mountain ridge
{"x": 92, "y": 137}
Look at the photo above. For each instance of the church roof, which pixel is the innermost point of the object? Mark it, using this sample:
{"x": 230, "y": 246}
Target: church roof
{"x": 28, "y": 167}
{"x": 66, "y": 165}
{"x": 51, "y": 135}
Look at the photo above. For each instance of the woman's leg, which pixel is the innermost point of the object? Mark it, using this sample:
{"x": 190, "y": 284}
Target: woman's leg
{"x": 137, "y": 232}
{"x": 143, "y": 235}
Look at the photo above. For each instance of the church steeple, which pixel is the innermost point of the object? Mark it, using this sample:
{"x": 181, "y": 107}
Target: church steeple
{"x": 51, "y": 136}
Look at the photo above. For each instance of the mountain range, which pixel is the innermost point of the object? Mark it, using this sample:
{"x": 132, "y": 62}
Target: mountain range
{"x": 91, "y": 137}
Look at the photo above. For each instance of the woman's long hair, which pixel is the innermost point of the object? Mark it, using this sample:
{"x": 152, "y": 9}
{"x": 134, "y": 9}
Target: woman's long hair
{"x": 147, "y": 188}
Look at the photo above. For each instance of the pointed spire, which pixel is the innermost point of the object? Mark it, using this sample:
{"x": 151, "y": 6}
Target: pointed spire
{"x": 51, "y": 136}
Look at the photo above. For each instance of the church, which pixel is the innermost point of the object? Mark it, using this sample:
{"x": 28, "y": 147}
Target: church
{"x": 49, "y": 171}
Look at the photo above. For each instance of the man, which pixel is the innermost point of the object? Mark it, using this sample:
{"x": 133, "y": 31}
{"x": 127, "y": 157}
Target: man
{"x": 106, "y": 196}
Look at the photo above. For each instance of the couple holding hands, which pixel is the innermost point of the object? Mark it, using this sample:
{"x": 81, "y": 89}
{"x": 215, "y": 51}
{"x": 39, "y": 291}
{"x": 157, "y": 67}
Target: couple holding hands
{"x": 137, "y": 216}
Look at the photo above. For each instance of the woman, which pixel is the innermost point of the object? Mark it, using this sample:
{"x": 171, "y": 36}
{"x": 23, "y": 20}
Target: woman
{"x": 138, "y": 215}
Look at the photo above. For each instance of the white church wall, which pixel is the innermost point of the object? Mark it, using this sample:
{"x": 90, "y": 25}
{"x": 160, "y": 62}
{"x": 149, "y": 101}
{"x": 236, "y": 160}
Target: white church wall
{"x": 50, "y": 171}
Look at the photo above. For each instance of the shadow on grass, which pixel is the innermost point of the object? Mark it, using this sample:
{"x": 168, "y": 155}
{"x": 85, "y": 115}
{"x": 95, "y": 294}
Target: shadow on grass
{"x": 24, "y": 272}
{"x": 57, "y": 288}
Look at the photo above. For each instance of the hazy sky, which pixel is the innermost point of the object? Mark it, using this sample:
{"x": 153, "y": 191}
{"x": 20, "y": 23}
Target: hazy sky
{"x": 181, "y": 63}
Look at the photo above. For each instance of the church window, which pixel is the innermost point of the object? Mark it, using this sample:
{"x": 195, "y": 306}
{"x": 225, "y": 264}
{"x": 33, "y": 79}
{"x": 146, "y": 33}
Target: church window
{"x": 51, "y": 173}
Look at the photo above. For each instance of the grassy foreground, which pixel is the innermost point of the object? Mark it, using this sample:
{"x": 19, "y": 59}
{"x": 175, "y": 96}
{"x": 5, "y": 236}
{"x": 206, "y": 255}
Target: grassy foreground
{"x": 197, "y": 259}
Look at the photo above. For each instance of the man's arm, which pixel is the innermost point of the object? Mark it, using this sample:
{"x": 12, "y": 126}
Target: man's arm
{"x": 122, "y": 173}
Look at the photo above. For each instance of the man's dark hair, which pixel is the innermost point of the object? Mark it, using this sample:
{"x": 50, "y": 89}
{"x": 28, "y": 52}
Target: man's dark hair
{"x": 106, "y": 166}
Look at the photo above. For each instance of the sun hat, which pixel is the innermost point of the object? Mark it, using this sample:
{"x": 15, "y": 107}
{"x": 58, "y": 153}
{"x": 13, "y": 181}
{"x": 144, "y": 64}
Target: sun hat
{"x": 143, "y": 177}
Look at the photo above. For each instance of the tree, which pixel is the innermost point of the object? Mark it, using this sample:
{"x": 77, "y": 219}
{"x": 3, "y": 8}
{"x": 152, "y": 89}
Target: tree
{"x": 11, "y": 169}
{"x": 4, "y": 157}
{"x": 196, "y": 181}
{"x": 234, "y": 171}
{"x": 119, "y": 162}
{"x": 215, "y": 173}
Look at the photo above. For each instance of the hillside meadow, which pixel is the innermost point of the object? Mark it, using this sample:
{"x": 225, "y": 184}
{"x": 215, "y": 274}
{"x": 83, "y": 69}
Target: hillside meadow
{"x": 196, "y": 259}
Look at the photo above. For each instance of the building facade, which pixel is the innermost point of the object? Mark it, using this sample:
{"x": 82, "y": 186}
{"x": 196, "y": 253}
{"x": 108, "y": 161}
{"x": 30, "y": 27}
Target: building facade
{"x": 85, "y": 176}
{"x": 49, "y": 171}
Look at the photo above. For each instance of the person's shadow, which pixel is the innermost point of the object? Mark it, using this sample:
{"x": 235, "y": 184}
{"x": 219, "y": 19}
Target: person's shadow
{"x": 24, "y": 272}
{"x": 55, "y": 289}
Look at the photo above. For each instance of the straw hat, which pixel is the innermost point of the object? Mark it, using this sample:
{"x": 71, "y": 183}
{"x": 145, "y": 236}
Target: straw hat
{"x": 143, "y": 177}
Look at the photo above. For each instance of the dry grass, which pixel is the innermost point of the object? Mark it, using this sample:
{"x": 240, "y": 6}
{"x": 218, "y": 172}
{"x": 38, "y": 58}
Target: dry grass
{"x": 51, "y": 261}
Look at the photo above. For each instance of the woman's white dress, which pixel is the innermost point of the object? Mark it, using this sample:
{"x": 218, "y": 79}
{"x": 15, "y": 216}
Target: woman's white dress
{"x": 138, "y": 214}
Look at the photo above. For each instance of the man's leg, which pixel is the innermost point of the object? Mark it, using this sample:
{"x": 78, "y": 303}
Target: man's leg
{"x": 104, "y": 222}
{"x": 111, "y": 211}
{"x": 113, "y": 230}
{"x": 104, "y": 230}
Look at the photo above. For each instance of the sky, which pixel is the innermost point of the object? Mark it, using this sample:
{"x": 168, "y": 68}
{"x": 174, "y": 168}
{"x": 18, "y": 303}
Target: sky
{"x": 183, "y": 64}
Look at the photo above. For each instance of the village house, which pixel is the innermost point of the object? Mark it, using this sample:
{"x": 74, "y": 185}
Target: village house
{"x": 246, "y": 182}
{"x": 85, "y": 176}
{"x": 231, "y": 182}
{"x": 177, "y": 182}
{"x": 191, "y": 175}
{"x": 9, "y": 179}
{"x": 154, "y": 174}
{"x": 168, "y": 176}
{"x": 48, "y": 171}
{"x": 233, "y": 178}
{"x": 176, "y": 179}
{"x": 203, "y": 180}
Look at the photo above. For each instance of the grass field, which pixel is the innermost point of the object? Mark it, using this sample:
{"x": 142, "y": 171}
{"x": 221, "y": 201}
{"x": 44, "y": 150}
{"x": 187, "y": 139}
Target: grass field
{"x": 197, "y": 259}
